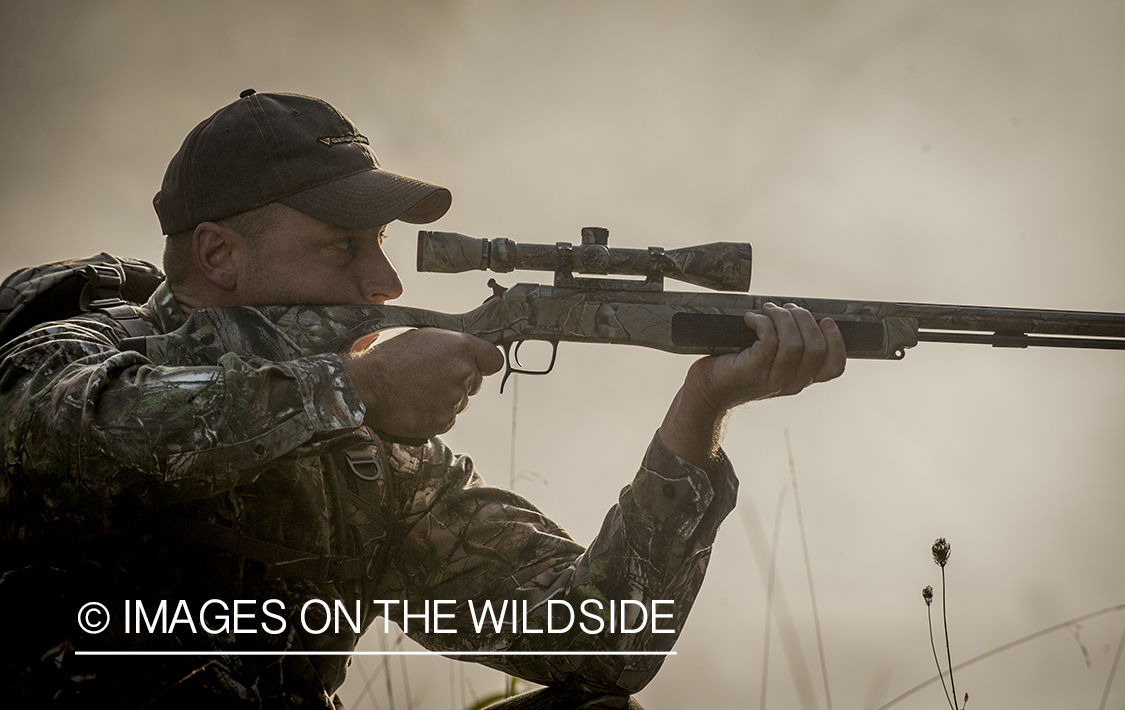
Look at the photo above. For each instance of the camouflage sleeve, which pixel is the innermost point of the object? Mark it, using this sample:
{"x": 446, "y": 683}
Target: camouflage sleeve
{"x": 94, "y": 436}
{"x": 474, "y": 544}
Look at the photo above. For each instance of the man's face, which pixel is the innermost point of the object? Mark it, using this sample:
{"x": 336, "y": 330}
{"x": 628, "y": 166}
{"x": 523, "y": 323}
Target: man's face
{"x": 301, "y": 260}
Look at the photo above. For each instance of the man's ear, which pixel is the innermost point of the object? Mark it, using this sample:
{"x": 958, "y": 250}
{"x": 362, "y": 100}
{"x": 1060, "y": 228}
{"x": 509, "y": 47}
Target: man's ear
{"x": 214, "y": 248}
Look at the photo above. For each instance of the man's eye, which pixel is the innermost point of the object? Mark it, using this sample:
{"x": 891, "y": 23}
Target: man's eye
{"x": 343, "y": 245}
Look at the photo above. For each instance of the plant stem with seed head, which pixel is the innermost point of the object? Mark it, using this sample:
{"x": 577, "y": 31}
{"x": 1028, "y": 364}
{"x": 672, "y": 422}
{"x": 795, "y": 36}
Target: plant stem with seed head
{"x": 933, "y": 647}
{"x": 945, "y": 623}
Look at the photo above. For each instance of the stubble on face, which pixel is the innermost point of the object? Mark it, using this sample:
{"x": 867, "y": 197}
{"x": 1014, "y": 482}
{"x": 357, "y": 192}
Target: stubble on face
{"x": 297, "y": 259}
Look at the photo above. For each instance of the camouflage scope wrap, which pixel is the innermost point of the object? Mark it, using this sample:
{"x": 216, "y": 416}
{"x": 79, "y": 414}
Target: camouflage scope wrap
{"x": 722, "y": 266}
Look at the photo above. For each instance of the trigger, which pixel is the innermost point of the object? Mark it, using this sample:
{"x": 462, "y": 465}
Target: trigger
{"x": 507, "y": 366}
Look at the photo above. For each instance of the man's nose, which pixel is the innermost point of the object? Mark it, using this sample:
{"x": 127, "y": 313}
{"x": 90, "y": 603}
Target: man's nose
{"x": 379, "y": 281}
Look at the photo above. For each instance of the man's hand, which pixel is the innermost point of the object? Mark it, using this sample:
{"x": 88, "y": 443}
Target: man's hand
{"x": 416, "y": 384}
{"x": 792, "y": 352}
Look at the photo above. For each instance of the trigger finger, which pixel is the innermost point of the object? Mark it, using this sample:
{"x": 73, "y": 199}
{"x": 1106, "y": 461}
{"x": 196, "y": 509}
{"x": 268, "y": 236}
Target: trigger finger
{"x": 488, "y": 357}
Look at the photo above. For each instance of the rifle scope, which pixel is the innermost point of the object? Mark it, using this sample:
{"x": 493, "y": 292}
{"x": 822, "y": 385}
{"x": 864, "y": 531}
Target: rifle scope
{"x": 723, "y": 266}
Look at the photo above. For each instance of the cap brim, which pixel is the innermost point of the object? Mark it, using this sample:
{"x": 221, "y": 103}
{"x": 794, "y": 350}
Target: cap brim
{"x": 372, "y": 198}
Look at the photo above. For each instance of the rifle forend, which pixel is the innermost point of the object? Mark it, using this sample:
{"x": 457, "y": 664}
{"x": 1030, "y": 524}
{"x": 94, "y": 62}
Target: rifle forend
{"x": 722, "y": 266}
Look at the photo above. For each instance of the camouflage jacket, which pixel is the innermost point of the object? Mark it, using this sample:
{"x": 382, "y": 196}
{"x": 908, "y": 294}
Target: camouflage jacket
{"x": 252, "y": 479}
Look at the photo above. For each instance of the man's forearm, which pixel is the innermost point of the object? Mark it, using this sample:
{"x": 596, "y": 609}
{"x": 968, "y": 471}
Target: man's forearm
{"x": 692, "y": 430}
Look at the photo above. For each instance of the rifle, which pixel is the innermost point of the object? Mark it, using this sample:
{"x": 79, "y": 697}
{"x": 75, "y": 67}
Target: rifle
{"x": 593, "y": 309}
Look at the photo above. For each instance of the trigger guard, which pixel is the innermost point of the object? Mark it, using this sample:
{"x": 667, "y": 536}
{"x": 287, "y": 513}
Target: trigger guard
{"x": 511, "y": 354}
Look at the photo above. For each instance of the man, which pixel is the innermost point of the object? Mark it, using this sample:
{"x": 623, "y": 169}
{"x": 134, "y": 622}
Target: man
{"x": 230, "y": 477}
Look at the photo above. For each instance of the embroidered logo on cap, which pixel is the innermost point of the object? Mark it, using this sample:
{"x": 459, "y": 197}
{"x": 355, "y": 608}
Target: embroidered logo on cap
{"x": 333, "y": 140}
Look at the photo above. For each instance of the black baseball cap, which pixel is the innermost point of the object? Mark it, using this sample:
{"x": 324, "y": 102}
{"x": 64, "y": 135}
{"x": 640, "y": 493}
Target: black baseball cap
{"x": 296, "y": 150}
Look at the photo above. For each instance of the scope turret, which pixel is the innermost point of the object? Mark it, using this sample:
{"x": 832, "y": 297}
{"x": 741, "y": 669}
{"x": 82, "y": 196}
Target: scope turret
{"x": 723, "y": 266}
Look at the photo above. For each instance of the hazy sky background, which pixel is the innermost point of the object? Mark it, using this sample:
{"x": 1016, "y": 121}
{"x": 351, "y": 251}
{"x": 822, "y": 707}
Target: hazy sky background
{"x": 950, "y": 152}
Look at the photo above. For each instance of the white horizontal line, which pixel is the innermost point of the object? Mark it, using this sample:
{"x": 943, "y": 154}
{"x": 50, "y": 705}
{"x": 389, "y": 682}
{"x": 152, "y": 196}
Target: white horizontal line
{"x": 375, "y": 653}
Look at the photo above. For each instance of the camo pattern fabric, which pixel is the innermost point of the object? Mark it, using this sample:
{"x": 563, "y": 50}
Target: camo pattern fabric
{"x": 104, "y": 455}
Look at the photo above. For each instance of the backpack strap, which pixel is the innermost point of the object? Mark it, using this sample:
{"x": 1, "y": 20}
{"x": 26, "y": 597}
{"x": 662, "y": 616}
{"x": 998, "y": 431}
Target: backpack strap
{"x": 102, "y": 293}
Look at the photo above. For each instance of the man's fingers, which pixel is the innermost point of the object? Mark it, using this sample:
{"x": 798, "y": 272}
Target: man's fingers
{"x": 475, "y": 384}
{"x": 414, "y": 386}
{"x": 836, "y": 356}
{"x": 814, "y": 347}
{"x": 488, "y": 357}
{"x": 762, "y": 352}
{"x": 463, "y": 404}
{"x": 482, "y": 362}
{"x": 790, "y": 347}
{"x": 793, "y": 350}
